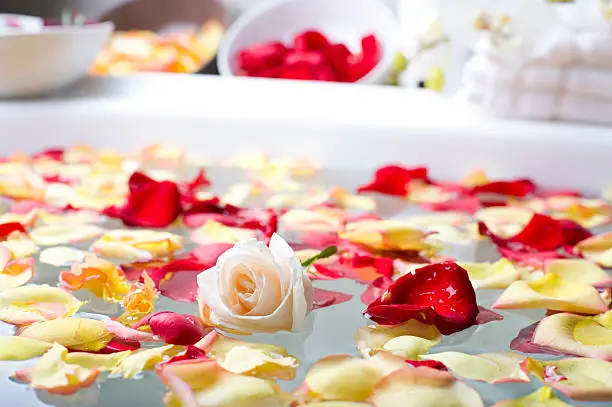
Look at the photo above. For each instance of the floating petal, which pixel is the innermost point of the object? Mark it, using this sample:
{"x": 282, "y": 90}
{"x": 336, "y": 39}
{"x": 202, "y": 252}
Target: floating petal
{"x": 101, "y": 277}
{"x": 598, "y": 249}
{"x": 53, "y": 235}
{"x": 19, "y": 348}
{"x": 35, "y": 303}
{"x": 15, "y": 273}
{"x": 138, "y": 245}
{"x": 578, "y": 271}
{"x": 544, "y": 397}
{"x": 75, "y": 333}
{"x": 61, "y": 256}
{"x": 215, "y": 232}
{"x": 492, "y": 275}
{"x": 142, "y": 360}
{"x": 409, "y": 340}
{"x": 487, "y": 367}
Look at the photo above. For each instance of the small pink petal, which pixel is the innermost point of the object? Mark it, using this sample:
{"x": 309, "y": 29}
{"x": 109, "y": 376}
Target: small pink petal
{"x": 325, "y": 298}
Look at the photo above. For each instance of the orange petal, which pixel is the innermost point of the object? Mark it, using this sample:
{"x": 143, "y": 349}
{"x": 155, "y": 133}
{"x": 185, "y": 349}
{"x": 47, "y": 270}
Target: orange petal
{"x": 101, "y": 277}
{"x": 543, "y": 397}
{"x": 578, "y": 378}
{"x": 409, "y": 340}
{"x": 577, "y": 335}
{"x": 18, "y": 348}
{"x": 215, "y": 232}
{"x": 139, "y": 301}
{"x": 424, "y": 387}
{"x": 486, "y": 367}
{"x": 554, "y": 293}
{"x": 138, "y": 245}
{"x": 16, "y": 273}
{"x": 54, "y": 235}
{"x": 74, "y": 333}
{"x": 253, "y": 359}
{"x": 598, "y": 249}
{"x": 35, "y": 303}
{"x": 492, "y": 275}
{"x": 204, "y": 383}
{"x": 578, "y": 271}
{"x": 54, "y": 374}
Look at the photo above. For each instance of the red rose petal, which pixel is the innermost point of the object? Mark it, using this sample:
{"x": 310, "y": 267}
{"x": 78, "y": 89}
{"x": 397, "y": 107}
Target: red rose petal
{"x": 310, "y": 41}
{"x": 7, "y": 228}
{"x": 191, "y": 353}
{"x": 325, "y": 298}
{"x": 149, "y": 204}
{"x": 190, "y": 188}
{"x": 56, "y": 154}
{"x": 440, "y": 294}
{"x": 376, "y": 289}
{"x": 118, "y": 345}
{"x": 572, "y": 232}
{"x": 178, "y": 279}
{"x": 395, "y": 180}
{"x": 371, "y": 51}
{"x": 434, "y": 364}
{"x": 467, "y": 204}
{"x": 261, "y": 56}
{"x": 176, "y": 329}
{"x": 519, "y": 188}
{"x": 338, "y": 56}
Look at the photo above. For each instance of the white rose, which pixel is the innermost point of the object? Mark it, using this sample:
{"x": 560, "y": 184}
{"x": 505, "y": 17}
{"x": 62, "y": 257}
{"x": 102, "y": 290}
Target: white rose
{"x": 256, "y": 288}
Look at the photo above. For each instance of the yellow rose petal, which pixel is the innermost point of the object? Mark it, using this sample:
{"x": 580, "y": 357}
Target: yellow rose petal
{"x": 504, "y": 221}
{"x": 19, "y": 348}
{"x": 97, "y": 361}
{"x": 16, "y": 273}
{"x": 409, "y": 340}
{"x": 337, "y": 404}
{"x": 20, "y": 245}
{"x": 137, "y": 245}
{"x": 101, "y": 277}
{"x": 543, "y": 397}
{"x": 577, "y": 335}
{"x": 496, "y": 275}
{"x": 216, "y": 232}
{"x": 424, "y": 387}
{"x": 139, "y": 301}
{"x": 598, "y": 249}
{"x": 487, "y": 367}
{"x": 35, "y": 303}
{"x": 578, "y": 378}
{"x": 253, "y": 359}
{"x": 578, "y": 271}
{"x": 554, "y": 293}
{"x": 74, "y": 333}
{"x": 54, "y": 374}
{"x": 205, "y": 383}
{"x": 142, "y": 360}
{"x": 385, "y": 235}
{"x": 53, "y": 235}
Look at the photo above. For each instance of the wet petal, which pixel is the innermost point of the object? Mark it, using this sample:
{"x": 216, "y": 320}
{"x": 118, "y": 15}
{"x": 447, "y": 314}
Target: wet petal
{"x": 409, "y": 340}
{"x": 19, "y": 348}
{"x": 215, "y": 232}
{"x": 487, "y": 367}
{"x": 101, "y": 277}
{"x": 598, "y": 249}
{"x": 35, "y": 303}
{"x": 54, "y": 374}
{"x": 577, "y": 335}
{"x": 142, "y": 360}
{"x": 492, "y": 275}
{"x": 544, "y": 397}
{"x": 137, "y": 245}
{"x": 16, "y": 273}
{"x": 96, "y": 361}
{"x": 173, "y": 328}
{"x": 327, "y": 298}
{"x": 578, "y": 378}
{"x": 424, "y": 387}
{"x": 205, "y": 383}
{"x": 253, "y": 359}
{"x": 74, "y": 333}
{"x": 53, "y": 235}
{"x": 61, "y": 256}
{"x": 554, "y": 293}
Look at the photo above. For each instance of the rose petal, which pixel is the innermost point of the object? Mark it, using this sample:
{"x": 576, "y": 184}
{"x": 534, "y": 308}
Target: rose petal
{"x": 138, "y": 210}
{"x": 139, "y": 301}
{"x": 101, "y": 277}
{"x": 423, "y": 387}
{"x": 178, "y": 279}
{"x": 191, "y": 353}
{"x": 543, "y": 397}
{"x": 492, "y": 275}
{"x": 129, "y": 335}
{"x": 138, "y": 245}
{"x": 578, "y": 378}
{"x": 19, "y": 348}
{"x": 487, "y": 367}
{"x": 61, "y": 256}
{"x": 215, "y": 232}
{"x": 524, "y": 343}
{"x": 409, "y": 340}
{"x": 578, "y": 271}
{"x": 174, "y": 328}
{"x": 20, "y": 245}
{"x": 321, "y": 219}
{"x": 252, "y": 359}
{"x": 15, "y": 273}
{"x": 438, "y": 293}
{"x": 487, "y": 315}
{"x": 74, "y": 333}
{"x": 395, "y": 180}
{"x": 551, "y": 292}
{"x": 102, "y": 362}
{"x": 385, "y": 235}
{"x": 205, "y": 383}
{"x": 326, "y": 298}
{"x": 598, "y": 249}
{"x": 6, "y": 229}
{"x": 577, "y": 335}
{"x": 29, "y": 304}
{"x": 142, "y": 360}
{"x": 376, "y": 289}
{"x": 53, "y": 235}
{"x": 54, "y": 374}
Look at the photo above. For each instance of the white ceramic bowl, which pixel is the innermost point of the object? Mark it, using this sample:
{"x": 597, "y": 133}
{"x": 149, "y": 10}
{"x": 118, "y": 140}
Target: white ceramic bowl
{"x": 36, "y": 62}
{"x": 345, "y": 21}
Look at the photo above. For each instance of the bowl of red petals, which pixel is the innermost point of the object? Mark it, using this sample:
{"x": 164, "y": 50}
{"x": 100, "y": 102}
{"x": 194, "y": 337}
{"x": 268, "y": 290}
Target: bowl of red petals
{"x": 321, "y": 40}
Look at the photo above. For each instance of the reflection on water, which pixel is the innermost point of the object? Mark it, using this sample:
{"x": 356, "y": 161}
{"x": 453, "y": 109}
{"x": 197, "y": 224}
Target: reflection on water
{"x": 330, "y": 331}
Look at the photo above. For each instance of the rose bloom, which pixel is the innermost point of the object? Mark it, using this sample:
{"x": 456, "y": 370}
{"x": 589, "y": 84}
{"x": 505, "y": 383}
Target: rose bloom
{"x": 256, "y": 288}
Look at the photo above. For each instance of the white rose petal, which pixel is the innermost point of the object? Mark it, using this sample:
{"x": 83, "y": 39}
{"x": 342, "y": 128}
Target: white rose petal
{"x": 256, "y": 288}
